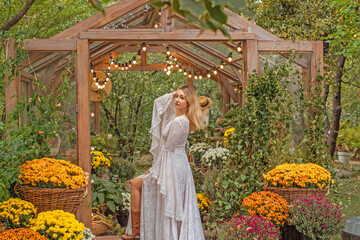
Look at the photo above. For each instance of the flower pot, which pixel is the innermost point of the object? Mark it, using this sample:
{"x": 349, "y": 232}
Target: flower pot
{"x": 290, "y": 232}
{"x": 122, "y": 221}
{"x": 344, "y": 157}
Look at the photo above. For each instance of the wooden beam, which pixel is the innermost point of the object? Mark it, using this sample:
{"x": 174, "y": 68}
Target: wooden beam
{"x": 50, "y": 44}
{"x": 318, "y": 61}
{"x": 12, "y": 83}
{"x": 229, "y": 88}
{"x": 189, "y": 35}
{"x": 98, "y": 20}
{"x": 285, "y": 46}
{"x": 238, "y": 73}
{"x": 251, "y": 61}
{"x": 83, "y": 123}
{"x": 215, "y": 53}
{"x": 238, "y": 22}
{"x": 134, "y": 49}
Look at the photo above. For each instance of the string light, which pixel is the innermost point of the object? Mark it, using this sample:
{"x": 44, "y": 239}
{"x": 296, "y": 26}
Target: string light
{"x": 180, "y": 69}
{"x": 168, "y": 72}
{"x": 134, "y": 60}
{"x": 143, "y": 47}
{"x": 238, "y": 47}
{"x": 130, "y": 65}
{"x": 195, "y": 76}
{"x": 126, "y": 66}
{"x": 189, "y": 74}
{"x": 208, "y": 74}
{"x": 94, "y": 76}
{"x": 185, "y": 73}
{"x": 200, "y": 76}
{"x": 215, "y": 71}
{"x": 229, "y": 57}
{"x": 111, "y": 60}
{"x": 222, "y": 65}
{"x": 91, "y": 68}
{"x": 168, "y": 51}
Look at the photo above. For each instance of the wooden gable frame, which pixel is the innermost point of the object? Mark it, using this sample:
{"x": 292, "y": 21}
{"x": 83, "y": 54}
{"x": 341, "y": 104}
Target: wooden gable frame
{"x": 255, "y": 40}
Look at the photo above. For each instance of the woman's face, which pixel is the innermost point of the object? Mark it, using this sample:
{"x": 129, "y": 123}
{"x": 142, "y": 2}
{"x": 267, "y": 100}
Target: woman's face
{"x": 180, "y": 100}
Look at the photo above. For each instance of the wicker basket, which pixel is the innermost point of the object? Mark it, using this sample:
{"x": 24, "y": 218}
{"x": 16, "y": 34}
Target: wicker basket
{"x": 47, "y": 199}
{"x": 99, "y": 224}
{"x": 291, "y": 194}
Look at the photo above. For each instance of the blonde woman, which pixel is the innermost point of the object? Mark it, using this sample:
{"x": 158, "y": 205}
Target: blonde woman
{"x": 163, "y": 199}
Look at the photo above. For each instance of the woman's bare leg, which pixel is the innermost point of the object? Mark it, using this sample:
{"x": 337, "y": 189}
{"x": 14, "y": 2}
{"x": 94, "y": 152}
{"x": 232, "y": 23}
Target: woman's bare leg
{"x": 135, "y": 194}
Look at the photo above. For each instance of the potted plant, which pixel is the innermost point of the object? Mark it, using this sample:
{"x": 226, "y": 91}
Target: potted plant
{"x": 293, "y": 180}
{"x": 268, "y": 205}
{"x": 100, "y": 163}
{"x": 197, "y": 150}
{"x": 16, "y": 213}
{"x": 58, "y": 224}
{"x": 215, "y": 157}
{"x": 106, "y": 192}
{"x": 122, "y": 211}
{"x": 248, "y": 228}
{"x": 347, "y": 141}
{"x": 316, "y": 217}
{"x": 21, "y": 234}
{"x": 52, "y": 184}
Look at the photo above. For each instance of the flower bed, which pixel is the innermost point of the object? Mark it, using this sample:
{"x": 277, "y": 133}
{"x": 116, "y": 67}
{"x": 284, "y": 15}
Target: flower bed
{"x": 248, "y": 228}
{"x": 268, "y": 205}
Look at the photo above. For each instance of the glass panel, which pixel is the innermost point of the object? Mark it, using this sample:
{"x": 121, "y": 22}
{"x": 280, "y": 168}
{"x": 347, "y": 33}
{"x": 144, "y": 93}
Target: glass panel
{"x": 144, "y": 16}
{"x": 297, "y": 83}
{"x": 54, "y": 70}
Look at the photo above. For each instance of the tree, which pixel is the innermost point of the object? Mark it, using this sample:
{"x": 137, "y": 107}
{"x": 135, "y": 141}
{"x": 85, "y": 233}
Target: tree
{"x": 332, "y": 20}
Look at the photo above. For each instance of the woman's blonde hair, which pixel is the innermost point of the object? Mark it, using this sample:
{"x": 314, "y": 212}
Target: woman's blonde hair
{"x": 193, "y": 110}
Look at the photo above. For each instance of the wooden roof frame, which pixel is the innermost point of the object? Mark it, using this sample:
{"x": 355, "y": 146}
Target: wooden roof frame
{"x": 78, "y": 38}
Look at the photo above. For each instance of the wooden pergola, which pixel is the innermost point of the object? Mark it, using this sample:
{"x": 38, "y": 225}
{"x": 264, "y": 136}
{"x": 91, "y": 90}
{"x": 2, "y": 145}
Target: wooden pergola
{"x": 126, "y": 25}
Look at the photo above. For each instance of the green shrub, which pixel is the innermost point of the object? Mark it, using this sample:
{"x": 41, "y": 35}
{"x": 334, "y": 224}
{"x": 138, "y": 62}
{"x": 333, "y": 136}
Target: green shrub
{"x": 122, "y": 169}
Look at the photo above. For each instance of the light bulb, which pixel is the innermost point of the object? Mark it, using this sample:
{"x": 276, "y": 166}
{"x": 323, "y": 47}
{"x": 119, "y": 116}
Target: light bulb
{"x": 143, "y": 47}
{"x": 92, "y": 148}
{"x": 200, "y": 77}
{"x": 180, "y": 69}
{"x": 168, "y": 51}
{"x": 222, "y": 65}
{"x": 229, "y": 57}
{"x": 215, "y": 71}
{"x": 185, "y": 73}
{"x": 168, "y": 72}
{"x": 196, "y": 77}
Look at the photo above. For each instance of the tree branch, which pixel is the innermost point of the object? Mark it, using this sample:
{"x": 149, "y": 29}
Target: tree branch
{"x": 17, "y": 17}
{"x": 349, "y": 83}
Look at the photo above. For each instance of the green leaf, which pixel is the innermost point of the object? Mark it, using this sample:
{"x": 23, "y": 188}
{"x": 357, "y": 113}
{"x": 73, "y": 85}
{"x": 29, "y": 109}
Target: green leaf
{"x": 101, "y": 197}
{"x": 216, "y": 13}
{"x": 243, "y": 177}
{"x": 97, "y": 5}
{"x": 109, "y": 186}
{"x": 160, "y": 4}
{"x": 111, "y": 206}
{"x": 195, "y": 7}
{"x": 235, "y": 4}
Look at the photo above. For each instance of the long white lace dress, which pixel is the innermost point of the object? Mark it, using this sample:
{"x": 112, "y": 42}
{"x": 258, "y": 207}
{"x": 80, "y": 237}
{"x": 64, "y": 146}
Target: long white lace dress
{"x": 169, "y": 209}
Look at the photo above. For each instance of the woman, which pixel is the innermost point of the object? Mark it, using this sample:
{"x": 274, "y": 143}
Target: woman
{"x": 163, "y": 199}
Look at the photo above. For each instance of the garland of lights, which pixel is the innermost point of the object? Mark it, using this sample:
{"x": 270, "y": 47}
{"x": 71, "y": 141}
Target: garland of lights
{"x": 170, "y": 61}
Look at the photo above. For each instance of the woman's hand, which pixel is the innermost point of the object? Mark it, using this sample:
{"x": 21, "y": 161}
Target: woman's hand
{"x": 174, "y": 93}
{"x": 146, "y": 172}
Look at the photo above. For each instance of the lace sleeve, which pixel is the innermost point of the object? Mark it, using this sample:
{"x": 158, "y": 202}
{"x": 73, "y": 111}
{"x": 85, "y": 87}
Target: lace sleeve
{"x": 163, "y": 110}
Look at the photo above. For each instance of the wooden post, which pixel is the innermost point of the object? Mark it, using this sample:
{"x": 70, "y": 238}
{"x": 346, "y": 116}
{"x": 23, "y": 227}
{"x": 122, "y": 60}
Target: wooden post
{"x": 83, "y": 123}
{"x": 12, "y": 83}
{"x": 226, "y": 100}
{"x": 251, "y": 62}
{"x": 96, "y": 118}
{"x": 189, "y": 80}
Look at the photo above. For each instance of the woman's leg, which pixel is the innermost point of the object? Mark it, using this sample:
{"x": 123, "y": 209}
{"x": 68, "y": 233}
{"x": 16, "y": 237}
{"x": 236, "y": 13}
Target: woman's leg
{"x": 136, "y": 188}
{"x": 135, "y": 194}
